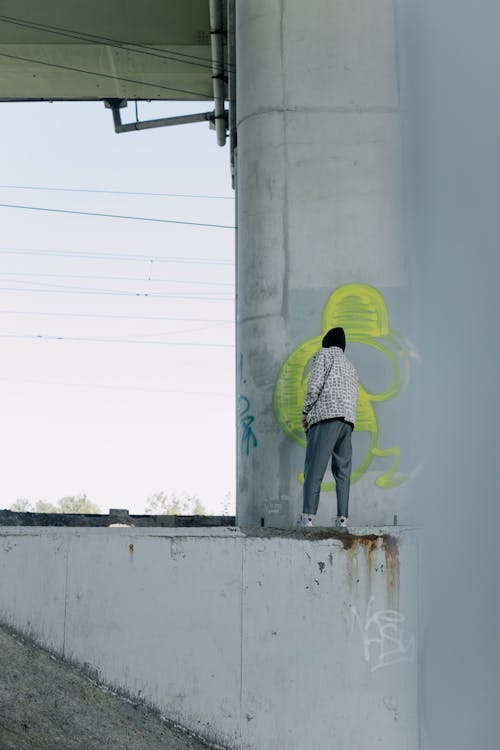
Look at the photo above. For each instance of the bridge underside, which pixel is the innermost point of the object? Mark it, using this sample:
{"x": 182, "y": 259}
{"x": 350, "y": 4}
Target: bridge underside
{"x": 98, "y": 50}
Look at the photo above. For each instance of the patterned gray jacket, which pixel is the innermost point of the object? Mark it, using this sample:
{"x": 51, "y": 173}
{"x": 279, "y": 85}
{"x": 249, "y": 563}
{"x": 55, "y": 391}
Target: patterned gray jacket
{"x": 337, "y": 396}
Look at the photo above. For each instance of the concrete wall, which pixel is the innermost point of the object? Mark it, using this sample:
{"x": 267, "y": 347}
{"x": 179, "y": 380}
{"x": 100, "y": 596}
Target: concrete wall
{"x": 456, "y": 236}
{"x": 299, "y": 641}
{"x": 319, "y": 191}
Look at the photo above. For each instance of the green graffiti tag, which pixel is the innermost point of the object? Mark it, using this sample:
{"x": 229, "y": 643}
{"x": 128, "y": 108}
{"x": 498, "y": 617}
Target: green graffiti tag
{"x": 246, "y": 420}
{"x": 361, "y": 310}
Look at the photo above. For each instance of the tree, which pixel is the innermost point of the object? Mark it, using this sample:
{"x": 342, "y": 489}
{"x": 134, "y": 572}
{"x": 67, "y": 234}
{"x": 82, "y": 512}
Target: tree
{"x": 77, "y": 504}
{"x": 43, "y": 506}
{"x": 174, "y": 504}
{"x": 22, "y": 505}
{"x": 68, "y": 504}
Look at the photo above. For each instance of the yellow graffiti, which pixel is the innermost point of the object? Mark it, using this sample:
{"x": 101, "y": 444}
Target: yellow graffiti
{"x": 361, "y": 310}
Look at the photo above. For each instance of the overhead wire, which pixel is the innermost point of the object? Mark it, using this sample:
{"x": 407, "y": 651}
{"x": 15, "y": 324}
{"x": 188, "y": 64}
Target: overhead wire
{"x": 116, "y": 192}
{"x": 154, "y": 52}
{"x": 21, "y": 58}
{"x": 110, "y": 42}
{"x": 198, "y": 294}
{"x": 90, "y": 339}
{"x": 114, "y": 316}
{"x": 126, "y": 257}
{"x": 91, "y": 277}
{"x": 116, "y": 216}
{"x": 145, "y": 49}
{"x": 115, "y": 293}
{"x": 112, "y": 292}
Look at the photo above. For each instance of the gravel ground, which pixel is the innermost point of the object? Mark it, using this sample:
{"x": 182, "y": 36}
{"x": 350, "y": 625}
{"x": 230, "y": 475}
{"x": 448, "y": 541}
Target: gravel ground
{"x": 47, "y": 705}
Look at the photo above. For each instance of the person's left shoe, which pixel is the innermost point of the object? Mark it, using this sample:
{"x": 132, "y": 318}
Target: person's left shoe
{"x": 304, "y": 522}
{"x": 341, "y": 523}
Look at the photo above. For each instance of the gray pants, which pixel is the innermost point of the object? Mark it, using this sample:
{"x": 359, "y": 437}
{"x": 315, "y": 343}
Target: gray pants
{"x": 332, "y": 437}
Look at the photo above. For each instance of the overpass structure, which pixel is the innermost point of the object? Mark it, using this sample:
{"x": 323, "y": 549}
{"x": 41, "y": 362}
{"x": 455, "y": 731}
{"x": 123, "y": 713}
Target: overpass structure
{"x": 311, "y": 99}
{"x": 116, "y": 52}
{"x": 312, "y": 105}
{"x": 250, "y": 639}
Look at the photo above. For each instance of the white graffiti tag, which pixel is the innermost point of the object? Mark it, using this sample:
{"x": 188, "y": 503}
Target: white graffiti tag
{"x": 383, "y": 637}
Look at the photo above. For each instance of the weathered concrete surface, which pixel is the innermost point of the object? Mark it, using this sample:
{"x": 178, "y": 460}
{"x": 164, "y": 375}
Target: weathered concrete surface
{"x": 232, "y": 633}
{"x": 319, "y": 197}
{"x": 45, "y": 704}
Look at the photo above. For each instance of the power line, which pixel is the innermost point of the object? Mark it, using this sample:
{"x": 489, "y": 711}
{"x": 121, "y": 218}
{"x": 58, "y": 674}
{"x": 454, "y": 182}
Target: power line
{"x": 112, "y": 316}
{"x": 102, "y": 255}
{"x": 116, "y": 192}
{"x": 111, "y": 42}
{"x": 115, "y": 293}
{"x": 104, "y": 340}
{"x": 115, "y": 216}
{"x": 67, "y": 287}
{"x": 114, "y": 278}
{"x": 105, "y": 75}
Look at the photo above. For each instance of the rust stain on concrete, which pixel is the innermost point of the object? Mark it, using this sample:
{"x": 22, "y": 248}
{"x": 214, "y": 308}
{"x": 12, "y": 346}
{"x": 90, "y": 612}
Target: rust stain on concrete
{"x": 391, "y": 548}
{"x": 131, "y": 551}
{"x": 352, "y": 566}
{"x": 371, "y": 543}
{"x": 351, "y": 544}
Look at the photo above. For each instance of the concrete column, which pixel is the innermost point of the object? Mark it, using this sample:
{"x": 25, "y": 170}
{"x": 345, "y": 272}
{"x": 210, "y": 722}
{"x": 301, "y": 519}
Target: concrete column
{"x": 319, "y": 244}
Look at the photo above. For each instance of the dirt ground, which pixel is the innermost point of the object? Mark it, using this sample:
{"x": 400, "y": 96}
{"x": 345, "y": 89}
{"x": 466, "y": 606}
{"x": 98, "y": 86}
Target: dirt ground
{"x": 47, "y": 705}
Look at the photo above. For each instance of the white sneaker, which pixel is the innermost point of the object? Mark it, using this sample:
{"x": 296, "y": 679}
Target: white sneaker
{"x": 341, "y": 523}
{"x": 303, "y": 522}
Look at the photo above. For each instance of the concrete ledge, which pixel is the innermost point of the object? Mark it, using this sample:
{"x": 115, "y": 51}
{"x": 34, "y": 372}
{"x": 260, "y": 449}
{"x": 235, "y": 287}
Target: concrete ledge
{"x": 208, "y": 625}
{"x": 116, "y": 516}
{"x": 318, "y": 533}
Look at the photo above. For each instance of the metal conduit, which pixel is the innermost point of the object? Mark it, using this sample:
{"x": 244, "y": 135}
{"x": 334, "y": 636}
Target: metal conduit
{"x": 219, "y": 117}
{"x": 219, "y": 84}
{"x": 116, "y": 104}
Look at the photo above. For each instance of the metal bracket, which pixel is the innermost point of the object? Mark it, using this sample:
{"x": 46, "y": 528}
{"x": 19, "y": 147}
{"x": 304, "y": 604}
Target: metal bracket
{"x": 115, "y": 105}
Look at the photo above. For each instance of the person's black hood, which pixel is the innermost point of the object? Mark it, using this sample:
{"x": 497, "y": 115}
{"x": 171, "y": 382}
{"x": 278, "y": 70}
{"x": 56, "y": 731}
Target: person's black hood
{"x": 334, "y": 337}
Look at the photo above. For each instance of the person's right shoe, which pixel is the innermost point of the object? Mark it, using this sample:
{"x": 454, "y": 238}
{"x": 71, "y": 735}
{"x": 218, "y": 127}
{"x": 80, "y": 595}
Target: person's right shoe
{"x": 341, "y": 523}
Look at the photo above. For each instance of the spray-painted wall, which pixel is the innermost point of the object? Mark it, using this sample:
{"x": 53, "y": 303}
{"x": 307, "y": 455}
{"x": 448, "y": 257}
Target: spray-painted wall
{"x": 320, "y": 243}
{"x": 302, "y": 641}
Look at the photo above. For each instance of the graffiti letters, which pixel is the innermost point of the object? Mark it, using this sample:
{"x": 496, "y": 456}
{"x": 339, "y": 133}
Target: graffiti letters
{"x": 361, "y": 310}
{"x": 383, "y": 635}
{"x": 248, "y": 438}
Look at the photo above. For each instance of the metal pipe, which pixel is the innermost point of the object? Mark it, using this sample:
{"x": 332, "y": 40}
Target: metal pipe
{"x": 231, "y": 64}
{"x": 219, "y": 84}
{"x": 160, "y": 123}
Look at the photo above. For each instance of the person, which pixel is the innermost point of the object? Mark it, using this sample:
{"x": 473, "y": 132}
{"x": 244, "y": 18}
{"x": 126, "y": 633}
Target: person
{"x": 328, "y": 417}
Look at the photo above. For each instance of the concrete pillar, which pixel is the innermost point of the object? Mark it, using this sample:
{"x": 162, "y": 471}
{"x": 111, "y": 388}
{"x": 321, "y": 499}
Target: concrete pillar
{"x": 319, "y": 244}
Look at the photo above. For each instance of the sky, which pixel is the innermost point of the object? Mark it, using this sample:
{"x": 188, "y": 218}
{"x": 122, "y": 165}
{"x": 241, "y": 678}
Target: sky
{"x": 104, "y": 390}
